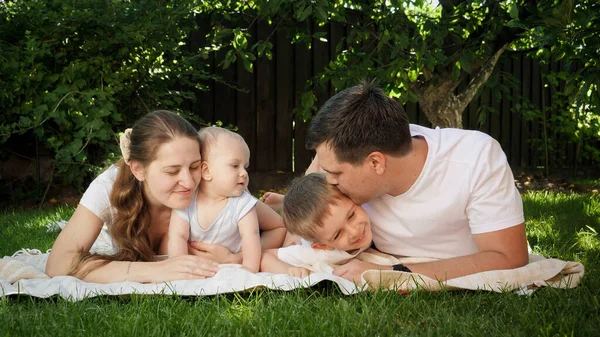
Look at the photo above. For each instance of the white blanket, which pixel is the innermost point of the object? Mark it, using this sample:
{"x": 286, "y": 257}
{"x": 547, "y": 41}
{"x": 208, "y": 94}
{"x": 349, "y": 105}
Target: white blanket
{"x": 23, "y": 273}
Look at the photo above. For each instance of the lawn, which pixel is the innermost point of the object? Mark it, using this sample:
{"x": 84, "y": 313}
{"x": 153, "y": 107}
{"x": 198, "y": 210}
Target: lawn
{"x": 564, "y": 226}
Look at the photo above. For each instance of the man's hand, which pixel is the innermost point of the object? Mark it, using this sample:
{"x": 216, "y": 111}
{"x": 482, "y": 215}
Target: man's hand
{"x": 214, "y": 252}
{"x": 353, "y": 270}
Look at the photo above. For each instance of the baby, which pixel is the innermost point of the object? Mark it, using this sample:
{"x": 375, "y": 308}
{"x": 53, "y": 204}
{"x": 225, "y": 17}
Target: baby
{"x": 337, "y": 228}
{"x": 222, "y": 211}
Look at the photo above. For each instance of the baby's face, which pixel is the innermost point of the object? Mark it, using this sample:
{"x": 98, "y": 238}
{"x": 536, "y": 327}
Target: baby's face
{"x": 346, "y": 228}
{"x": 228, "y": 160}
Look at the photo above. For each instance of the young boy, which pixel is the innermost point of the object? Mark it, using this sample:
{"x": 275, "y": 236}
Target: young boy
{"x": 222, "y": 211}
{"x": 332, "y": 228}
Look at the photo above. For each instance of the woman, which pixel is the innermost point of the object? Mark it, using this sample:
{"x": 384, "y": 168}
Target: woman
{"x": 159, "y": 171}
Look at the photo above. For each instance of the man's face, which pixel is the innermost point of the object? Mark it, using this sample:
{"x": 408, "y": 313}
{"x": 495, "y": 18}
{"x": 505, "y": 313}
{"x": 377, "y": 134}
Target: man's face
{"x": 347, "y": 227}
{"x": 355, "y": 181}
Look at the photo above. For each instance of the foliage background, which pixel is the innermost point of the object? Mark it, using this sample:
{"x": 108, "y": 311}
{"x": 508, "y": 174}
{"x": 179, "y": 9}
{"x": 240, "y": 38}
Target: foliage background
{"x": 73, "y": 75}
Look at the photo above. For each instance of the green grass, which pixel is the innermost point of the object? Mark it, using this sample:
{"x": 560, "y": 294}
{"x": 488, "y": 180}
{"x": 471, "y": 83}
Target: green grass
{"x": 558, "y": 225}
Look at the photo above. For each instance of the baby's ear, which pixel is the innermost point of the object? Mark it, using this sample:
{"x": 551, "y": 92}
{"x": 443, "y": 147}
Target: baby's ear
{"x": 321, "y": 246}
{"x": 205, "y": 172}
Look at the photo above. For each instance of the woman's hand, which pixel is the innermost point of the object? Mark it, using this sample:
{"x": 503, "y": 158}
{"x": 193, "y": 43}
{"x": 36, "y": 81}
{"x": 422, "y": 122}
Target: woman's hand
{"x": 184, "y": 267}
{"x": 214, "y": 252}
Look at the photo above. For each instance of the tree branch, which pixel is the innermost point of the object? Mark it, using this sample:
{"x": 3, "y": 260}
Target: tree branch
{"x": 464, "y": 98}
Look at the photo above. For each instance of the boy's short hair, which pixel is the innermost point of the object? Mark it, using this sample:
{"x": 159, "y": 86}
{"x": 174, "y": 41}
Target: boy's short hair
{"x": 306, "y": 204}
{"x": 359, "y": 120}
{"x": 208, "y": 135}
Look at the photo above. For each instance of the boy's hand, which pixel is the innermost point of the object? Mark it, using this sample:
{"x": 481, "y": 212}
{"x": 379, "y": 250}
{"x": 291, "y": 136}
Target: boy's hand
{"x": 298, "y": 272}
{"x": 353, "y": 270}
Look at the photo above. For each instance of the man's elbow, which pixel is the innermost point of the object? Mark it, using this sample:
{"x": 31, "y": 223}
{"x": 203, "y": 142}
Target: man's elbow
{"x": 518, "y": 258}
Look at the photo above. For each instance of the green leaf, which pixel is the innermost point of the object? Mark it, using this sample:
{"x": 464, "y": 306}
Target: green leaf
{"x": 248, "y": 64}
{"x": 456, "y": 71}
{"x": 514, "y": 11}
{"x": 307, "y": 100}
{"x": 465, "y": 64}
{"x": 305, "y": 14}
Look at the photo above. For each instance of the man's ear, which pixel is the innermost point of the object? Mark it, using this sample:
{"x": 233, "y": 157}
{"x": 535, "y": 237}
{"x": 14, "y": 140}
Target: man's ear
{"x": 321, "y": 246}
{"x": 138, "y": 170}
{"x": 377, "y": 161}
{"x": 205, "y": 172}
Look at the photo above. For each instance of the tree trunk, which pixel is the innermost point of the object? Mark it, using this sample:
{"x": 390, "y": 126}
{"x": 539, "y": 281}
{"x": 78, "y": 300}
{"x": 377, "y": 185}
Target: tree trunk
{"x": 439, "y": 103}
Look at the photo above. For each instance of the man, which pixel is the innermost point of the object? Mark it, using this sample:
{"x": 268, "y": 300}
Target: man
{"x": 440, "y": 193}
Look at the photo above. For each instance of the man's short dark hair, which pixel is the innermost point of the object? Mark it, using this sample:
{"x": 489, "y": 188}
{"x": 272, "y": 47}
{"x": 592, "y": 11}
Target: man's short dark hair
{"x": 359, "y": 120}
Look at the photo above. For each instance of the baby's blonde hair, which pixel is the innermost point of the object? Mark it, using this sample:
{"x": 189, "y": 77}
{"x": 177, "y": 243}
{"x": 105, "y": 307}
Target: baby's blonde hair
{"x": 210, "y": 134}
{"x": 306, "y": 204}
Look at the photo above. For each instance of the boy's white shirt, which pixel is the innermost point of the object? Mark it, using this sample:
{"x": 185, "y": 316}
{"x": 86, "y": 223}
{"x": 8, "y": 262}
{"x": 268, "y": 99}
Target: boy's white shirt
{"x": 313, "y": 259}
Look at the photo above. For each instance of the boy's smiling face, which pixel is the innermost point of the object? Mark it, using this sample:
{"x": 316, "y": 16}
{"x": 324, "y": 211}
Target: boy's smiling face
{"x": 347, "y": 227}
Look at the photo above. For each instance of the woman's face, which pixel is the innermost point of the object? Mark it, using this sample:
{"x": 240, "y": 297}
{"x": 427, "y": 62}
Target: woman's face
{"x": 171, "y": 179}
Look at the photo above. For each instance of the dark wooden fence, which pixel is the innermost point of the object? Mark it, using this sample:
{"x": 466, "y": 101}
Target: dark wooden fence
{"x": 265, "y": 118}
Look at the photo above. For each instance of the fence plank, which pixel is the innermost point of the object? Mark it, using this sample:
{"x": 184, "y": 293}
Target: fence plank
{"x": 473, "y": 108}
{"x": 484, "y": 110}
{"x": 285, "y": 97}
{"x": 320, "y": 51}
{"x": 302, "y": 72}
{"x": 526, "y": 145}
{"x": 337, "y": 34}
{"x": 225, "y": 96}
{"x": 246, "y": 107}
{"x": 536, "y": 99}
{"x": 516, "y": 122}
{"x": 204, "y": 107}
{"x": 265, "y": 112}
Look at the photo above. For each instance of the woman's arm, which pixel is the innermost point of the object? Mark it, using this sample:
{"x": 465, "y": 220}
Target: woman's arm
{"x": 271, "y": 225}
{"x": 78, "y": 236}
{"x": 80, "y": 233}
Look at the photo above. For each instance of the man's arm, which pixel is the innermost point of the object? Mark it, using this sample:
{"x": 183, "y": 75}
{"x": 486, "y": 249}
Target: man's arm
{"x": 502, "y": 249}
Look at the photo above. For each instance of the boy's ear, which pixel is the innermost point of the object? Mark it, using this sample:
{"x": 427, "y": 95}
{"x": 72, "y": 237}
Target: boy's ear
{"x": 377, "y": 161}
{"x": 205, "y": 172}
{"x": 321, "y": 246}
{"x": 137, "y": 169}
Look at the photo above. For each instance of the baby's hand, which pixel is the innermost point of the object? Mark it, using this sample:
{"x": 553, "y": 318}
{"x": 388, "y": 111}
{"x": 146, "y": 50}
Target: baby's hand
{"x": 298, "y": 272}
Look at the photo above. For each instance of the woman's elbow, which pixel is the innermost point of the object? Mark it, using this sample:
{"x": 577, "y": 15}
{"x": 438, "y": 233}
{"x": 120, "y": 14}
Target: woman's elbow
{"x": 56, "y": 266}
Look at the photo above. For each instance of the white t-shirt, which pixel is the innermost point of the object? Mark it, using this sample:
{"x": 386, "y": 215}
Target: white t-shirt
{"x": 97, "y": 199}
{"x": 466, "y": 187}
{"x": 224, "y": 229}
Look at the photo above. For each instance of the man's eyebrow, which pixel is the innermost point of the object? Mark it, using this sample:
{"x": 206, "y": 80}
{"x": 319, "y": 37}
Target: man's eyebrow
{"x": 330, "y": 172}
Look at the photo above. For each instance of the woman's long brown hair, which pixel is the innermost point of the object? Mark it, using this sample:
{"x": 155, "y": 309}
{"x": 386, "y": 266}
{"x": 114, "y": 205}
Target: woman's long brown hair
{"x": 129, "y": 229}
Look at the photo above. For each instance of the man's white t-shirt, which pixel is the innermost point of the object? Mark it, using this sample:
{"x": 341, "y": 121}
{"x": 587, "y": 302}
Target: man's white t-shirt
{"x": 97, "y": 199}
{"x": 466, "y": 187}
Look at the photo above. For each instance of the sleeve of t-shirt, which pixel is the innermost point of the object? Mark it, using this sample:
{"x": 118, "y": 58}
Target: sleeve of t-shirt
{"x": 97, "y": 196}
{"x": 245, "y": 203}
{"x": 495, "y": 202}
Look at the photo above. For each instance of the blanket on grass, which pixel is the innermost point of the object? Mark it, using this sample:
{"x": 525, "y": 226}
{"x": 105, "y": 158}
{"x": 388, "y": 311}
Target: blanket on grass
{"x": 23, "y": 273}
